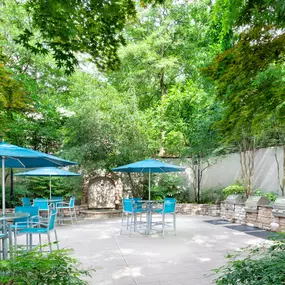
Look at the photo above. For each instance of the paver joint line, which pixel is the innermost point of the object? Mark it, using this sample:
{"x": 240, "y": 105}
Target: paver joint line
{"x": 125, "y": 259}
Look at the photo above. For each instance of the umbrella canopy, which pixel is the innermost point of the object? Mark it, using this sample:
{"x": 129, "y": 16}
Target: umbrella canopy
{"x": 18, "y": 157}
{"x": 48, "y": 171}
{"x": 149, "y": 165}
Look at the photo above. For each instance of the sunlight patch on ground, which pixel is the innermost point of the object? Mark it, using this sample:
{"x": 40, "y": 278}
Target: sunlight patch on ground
{"x": 204, "y": 259}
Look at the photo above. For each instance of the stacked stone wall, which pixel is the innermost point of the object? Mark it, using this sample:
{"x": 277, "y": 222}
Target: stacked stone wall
{"x": 198, "y": 209}
{"x": 262, "y": 218}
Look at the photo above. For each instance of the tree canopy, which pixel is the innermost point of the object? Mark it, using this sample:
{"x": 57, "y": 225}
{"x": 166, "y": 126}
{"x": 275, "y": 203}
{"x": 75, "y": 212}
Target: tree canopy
{"x": 108, "y": 83}
{"x": 67, "y": 28}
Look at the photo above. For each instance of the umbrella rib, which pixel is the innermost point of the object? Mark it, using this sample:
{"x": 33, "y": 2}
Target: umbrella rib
{"x": 53, "y": 161}
{"x": 12, "y": 157}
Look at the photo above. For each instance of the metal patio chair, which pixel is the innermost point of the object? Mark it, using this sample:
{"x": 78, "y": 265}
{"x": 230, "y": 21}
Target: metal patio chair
{"x": 131, "y": 207}
{"x": 168, "y": 208}
{"x": 23, "y": 223}
{"x": 5, "y": 235}
{"x": 42, "y": 228}
{"x": 70, "y": 206}
{"x": 43, "y": 205}
{"x": 26, "y": 201}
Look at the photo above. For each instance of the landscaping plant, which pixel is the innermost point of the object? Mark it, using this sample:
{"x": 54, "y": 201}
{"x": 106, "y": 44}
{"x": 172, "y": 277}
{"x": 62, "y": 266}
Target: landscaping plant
{"x": 234, "y": 189}
{"x": 264, "y": 265}
{"x": 272, "y": 196}
{"x": 36, "y": 268}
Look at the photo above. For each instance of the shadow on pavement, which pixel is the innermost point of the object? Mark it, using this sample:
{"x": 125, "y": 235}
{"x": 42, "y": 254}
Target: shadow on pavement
{"x": 218, "y": 222}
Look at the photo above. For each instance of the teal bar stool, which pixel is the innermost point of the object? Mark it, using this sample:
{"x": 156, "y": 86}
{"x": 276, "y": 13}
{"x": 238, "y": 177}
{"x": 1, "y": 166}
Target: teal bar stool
{"x": 43, "y": 205}
{"x": 23, "y": 223}
{"x": 167, "y": 209}
{"x": 42, "y": 228}
{"x": 69, "y": 206}
{"x": 131, "y": 208}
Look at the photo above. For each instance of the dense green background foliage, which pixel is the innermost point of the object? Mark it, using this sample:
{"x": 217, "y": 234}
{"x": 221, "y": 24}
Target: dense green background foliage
{"x": 185, "y": 79}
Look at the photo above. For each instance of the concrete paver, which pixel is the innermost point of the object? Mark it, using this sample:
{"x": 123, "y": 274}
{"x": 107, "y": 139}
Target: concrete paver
{"x": 200, "y": 245}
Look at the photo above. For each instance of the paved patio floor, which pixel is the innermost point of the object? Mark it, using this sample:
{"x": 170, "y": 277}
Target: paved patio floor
{"x": 200, "y": 245}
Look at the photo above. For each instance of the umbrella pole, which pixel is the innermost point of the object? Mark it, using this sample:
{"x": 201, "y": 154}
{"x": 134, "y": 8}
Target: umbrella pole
{"x": 149, "y": 184}
{"x": 50, "y": 187}
{"x": 3, "y": 185}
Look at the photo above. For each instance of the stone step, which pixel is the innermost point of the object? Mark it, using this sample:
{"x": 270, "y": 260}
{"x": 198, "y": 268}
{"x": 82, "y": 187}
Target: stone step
{"x": 100, "y": 213}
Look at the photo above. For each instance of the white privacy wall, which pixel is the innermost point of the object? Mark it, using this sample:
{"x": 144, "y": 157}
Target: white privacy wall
{"x": 227, "y": 170}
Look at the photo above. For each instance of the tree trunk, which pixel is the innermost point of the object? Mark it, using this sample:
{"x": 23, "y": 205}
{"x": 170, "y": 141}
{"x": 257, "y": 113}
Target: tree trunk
{"x": 283, "y": 180}
{"x": 247, "y": 156}
{"x": 163, "y": 95}
{"x": 280, "y": 180}
{"x": 198, "y": 178}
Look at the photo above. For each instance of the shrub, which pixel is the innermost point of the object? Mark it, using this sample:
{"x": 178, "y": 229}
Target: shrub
{"x": 234, "y": 189}
{"x": 33, "y": 267}
{"x": 211, "y": 196}
{"x": 272, "y": 196}
{"x": 166, "y": 185}
{"x": 264, "y": 264}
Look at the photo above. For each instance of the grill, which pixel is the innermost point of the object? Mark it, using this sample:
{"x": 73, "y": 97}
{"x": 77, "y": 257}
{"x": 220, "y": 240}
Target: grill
{"x": 232, "y": 200}
{"x": 253, "y": 202}
{"x": 279, "y": 207}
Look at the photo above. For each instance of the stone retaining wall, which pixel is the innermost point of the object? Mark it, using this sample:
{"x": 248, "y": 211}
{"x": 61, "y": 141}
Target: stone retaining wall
{"x": 198, "y": 209}
{"x": 263, "y": 219}
{"x": 66, "y": 212}
{"x": 184, "y": 209}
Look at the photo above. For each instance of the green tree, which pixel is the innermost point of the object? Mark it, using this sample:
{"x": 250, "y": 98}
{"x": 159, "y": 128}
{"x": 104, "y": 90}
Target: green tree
{"x": 67, "y": 28}
{"x": 106, "y": 129}
{"x": 167, "y": 46}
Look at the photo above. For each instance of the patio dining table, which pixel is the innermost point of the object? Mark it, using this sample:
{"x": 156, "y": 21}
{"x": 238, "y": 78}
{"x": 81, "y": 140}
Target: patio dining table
{"x": 149, "y": 208}
{"x": 6, "y": 232}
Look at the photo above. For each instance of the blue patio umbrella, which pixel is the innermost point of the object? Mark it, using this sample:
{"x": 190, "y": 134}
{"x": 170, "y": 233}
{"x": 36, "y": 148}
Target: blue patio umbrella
{"x": 13, "y": 156}
{"x": 149, "y": 166}
{"x": 48, "y": 171}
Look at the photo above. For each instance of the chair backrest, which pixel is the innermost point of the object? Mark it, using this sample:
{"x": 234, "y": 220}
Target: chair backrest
{"x": 138, "y": 203}
{"x": 128, "y": 205}
{"x": 26, "y": 201}
{"x": 57, "y": 198}
{"x": 42, "y": 204}
{"x": 169, "y": 205}
{"x": 72, "y": 202}
{"x": 32, "y": 210}
{"x": 51, "y": 224}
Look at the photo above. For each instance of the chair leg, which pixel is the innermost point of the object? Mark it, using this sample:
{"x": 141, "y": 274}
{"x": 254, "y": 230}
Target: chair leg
{"x": 40, "y": 240}
{"x": 135, "y": 222}
{"x": 131, "y": 224}
{"x": 49, "y": 243}
{"x": 122, "y": 223}
{"x": 70, "y": 214}
{"x": 163, "y": 224}
{"x": 10, "y": 242}
{"x": 75, "y": 215}
{"x": 127, "y": 221}
{"x": 15, "y": 241}
{"x": 57, "y": 243}
{"x": 31, "y": 241}
{"x": 27, "y": 242}
{"x": 174, "y": 223}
